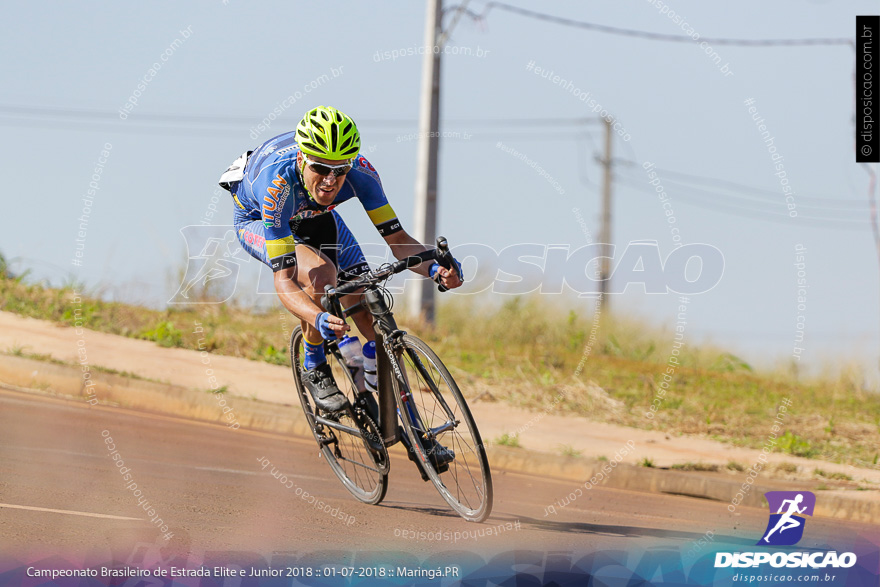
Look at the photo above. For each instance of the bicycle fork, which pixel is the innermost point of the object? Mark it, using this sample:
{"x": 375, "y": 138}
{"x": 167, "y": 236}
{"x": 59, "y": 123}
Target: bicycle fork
{"x": 427, "y": 433}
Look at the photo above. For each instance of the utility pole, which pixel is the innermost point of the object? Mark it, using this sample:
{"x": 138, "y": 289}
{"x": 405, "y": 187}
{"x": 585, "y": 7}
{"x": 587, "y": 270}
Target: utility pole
{"x": 605, "y": 232}
{"x": 420, "y": 292}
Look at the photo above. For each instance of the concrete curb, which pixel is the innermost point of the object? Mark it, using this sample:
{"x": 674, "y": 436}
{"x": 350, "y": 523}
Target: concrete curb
{"x": 714, "y": 486}
{"x": 233, "y": 411}
{"x": 31, "y": 375}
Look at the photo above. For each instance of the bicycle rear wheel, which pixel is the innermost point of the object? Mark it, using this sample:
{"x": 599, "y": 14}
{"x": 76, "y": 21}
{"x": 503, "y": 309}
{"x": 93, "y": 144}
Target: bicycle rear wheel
{"x": 432, "y": 407}
{"x": 357, "y": 456}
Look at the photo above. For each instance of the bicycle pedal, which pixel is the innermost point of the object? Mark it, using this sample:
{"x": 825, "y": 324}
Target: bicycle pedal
{"x": 410, "y": 454}
{"x": 421, "y": 470}
{"x": 441, "y": 469}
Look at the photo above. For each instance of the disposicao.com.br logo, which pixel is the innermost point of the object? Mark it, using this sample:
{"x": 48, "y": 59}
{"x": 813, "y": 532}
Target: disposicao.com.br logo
{"x": 790, "y": 519}
{"x": 785, "y": 528}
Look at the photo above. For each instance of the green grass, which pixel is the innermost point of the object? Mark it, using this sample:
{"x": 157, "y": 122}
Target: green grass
{"x": 530, "y": 354}
{"x": 270, "y": 354}
{"x": 647, "y": 462}
{"x": 165, "y": 334}
{"x": 508, "y": 440}
{"x": 20, "y": 351}
{"x": 786, "y": 467}
{"x": 796, "y": 445}
{"x": 689, "y": 466}
{"x": 569, "y": 451}
{"x": 837, "y": 476}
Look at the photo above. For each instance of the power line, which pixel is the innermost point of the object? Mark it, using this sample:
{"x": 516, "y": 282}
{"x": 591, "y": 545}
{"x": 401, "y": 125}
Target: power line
{"x": 711, "y": 199}
{"x": 112, "y": 116}
{"x": 122, "y": 128}
{"x": 82, "y": 114}
{"x": 703, "y": 180}
{"x": 207, "y": 132}
{"x": 714, "y": 196}
{"x": 581, "y": 156}
{"x": 758, "y": 214}
{"x": 211, "y": 126}
{"x": 532, "y": 136}
{"x": 648, "y": 35}
{"x": 560, "y": 121}
{"x": 444, "y": 36}
{"x": 701, "y": 198}
{"x": 142, "y": 117}
{"x": 760, "y": 199}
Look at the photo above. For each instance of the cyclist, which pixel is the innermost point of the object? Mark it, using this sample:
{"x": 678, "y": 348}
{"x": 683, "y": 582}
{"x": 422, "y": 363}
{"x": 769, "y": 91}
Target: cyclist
{"x": 285, "y": 193}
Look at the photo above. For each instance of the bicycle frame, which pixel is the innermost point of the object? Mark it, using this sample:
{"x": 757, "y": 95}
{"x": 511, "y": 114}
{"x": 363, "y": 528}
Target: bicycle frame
{"x": 385, "y": 328}
{"x": 387, "y": 332}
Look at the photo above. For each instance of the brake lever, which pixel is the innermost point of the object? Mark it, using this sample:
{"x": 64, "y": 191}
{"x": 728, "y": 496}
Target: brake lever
{"x": 444, "y": 258}
{"x": 332, "y": 300}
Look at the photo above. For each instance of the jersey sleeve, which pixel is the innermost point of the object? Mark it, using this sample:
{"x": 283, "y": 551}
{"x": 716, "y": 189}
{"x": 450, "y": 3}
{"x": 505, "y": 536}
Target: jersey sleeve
{"x": 372, "y": 197}
{"x": 272, "y": 189}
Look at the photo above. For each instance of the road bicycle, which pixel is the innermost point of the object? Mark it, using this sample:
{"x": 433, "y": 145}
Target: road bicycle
{"x": 418, "y": 404}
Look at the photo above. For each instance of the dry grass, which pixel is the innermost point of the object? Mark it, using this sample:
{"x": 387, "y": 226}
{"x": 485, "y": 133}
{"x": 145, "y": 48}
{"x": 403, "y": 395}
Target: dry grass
{"x": 528, "y": 354}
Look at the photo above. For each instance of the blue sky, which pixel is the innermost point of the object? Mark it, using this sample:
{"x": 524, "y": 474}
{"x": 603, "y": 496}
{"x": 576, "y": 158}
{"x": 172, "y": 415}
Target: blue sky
{"x": 74, "y": 67}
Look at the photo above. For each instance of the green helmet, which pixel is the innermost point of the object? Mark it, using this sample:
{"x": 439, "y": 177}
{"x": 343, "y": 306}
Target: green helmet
{"x": 326, "y": 132}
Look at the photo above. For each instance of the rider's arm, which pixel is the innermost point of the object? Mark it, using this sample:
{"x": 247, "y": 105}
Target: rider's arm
{"x": 273, "y": 190}
{"x": 403, "y": 245}
{"x": 292, "y": 296}
{"x": 368, "y": 187}
{"x": 300, "y": 304}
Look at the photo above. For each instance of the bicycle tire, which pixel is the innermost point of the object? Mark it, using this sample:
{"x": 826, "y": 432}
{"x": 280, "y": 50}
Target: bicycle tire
{"x": 362, "y": 466}
{"x": 465, "y": 483}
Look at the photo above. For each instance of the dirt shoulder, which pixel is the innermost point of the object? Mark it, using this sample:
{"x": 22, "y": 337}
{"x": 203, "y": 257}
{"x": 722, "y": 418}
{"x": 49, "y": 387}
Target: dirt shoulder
{"x": 542, "y": 431}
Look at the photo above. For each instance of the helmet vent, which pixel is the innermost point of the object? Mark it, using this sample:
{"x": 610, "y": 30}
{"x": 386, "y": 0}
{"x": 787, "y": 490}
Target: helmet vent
{"x": 326, "y": 132}
{"x": 334, "y": 135}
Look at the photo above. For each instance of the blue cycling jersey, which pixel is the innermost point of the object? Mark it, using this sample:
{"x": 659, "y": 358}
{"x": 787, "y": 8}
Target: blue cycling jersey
{"x": 272, "y": 191}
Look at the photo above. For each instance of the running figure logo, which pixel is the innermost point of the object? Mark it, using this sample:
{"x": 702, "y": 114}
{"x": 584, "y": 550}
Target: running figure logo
{"x": 214, "y": 270}
{"x": 786, "y": 526}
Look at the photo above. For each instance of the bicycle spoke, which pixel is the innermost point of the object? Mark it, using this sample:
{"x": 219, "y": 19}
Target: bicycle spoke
{"x": 341, "y": 436}
{"x": 437, "y": 412}
{"x": 359, "y": 464}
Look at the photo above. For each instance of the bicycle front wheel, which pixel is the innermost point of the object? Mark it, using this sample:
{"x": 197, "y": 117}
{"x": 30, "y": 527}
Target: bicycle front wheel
{"x": 433, "y": 411}
{"x": 349, "y": 440}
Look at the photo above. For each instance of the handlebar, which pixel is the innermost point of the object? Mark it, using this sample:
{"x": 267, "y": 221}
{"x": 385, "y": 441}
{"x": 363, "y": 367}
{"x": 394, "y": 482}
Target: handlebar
{"x": 444, "y": 257}
{"x": 330, "y": 299}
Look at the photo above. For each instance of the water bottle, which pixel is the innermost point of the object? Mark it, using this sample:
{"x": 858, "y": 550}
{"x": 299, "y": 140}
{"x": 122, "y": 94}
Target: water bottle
{"x": 350, "y": 347}
{"x": 371, "y": 381}
{"x": 352, "y": 354}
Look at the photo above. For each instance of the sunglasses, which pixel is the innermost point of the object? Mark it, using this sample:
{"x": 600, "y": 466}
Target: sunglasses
{"x": 324, "y": 169}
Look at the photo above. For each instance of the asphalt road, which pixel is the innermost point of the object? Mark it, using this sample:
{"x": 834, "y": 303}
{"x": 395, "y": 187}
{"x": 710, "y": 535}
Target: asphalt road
{"x": 61, "y": 493}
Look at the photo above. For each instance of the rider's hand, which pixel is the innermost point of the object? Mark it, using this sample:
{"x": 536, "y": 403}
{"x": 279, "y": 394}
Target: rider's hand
{"x": 330, "y": 326}
{"x": 447, "y": 278}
